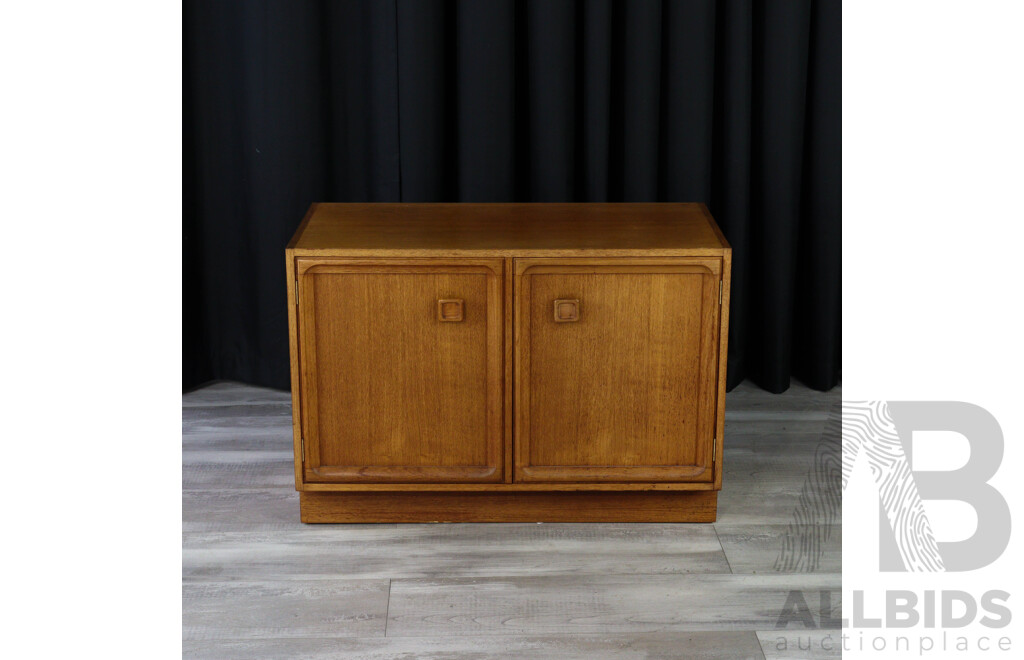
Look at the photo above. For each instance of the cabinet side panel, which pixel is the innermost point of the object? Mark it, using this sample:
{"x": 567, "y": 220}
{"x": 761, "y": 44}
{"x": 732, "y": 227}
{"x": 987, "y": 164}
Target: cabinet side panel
{"x": 293, "y": 353}
{"x": 723, "y": 363}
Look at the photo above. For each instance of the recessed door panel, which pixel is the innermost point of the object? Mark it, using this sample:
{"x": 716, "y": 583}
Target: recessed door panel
{"x": 401, "y": 370}
{"x": 616, "y": 369}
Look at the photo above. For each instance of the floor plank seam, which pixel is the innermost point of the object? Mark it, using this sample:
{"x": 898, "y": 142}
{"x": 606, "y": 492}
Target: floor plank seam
{"x": 387, "y": 609}
{"x": 760, "y": 646}
{"x": 722, "y": 546}
{"x": 268, "y": 586}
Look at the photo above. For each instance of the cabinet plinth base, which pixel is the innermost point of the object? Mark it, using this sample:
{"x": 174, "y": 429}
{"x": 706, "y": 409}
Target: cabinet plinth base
{"x": 569, "y": 506}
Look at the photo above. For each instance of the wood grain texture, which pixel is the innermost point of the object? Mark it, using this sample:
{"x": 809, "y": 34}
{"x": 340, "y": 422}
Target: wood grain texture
{"x": 450, "y": 310}
{"x": 761, "y": 502}
{"x": 217, "y": 473}
{"x": 256, "y": 421}
{"x": 509, "y": 358}
{"x": 463, "y": 550}
{"x": 240, "y": 526}
{"x": 238, "y": 508}
{"x": 627, "y": 392}
{"x": 649, "y": 646}
{"x": 371, "y": 419}
{"x": 770, "y": 453}
{"x": 390, "y": 391}
{"x": 725, "y": 289}
{"x": 610, "y": 604}
{"x": 540, "y": 506}
{"x": 295, "y": 356}
{"x": 801, "y": 645}
{"x": 292, "y": 608}
{"x": 567, "y": 311}
{"x": 518, "y": 487}
{"x": 756, "y": 548}
{"x": 508, "y": 230}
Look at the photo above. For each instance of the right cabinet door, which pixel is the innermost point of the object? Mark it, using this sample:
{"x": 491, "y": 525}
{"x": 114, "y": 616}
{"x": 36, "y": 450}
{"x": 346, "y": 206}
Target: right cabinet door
{"x": 616, "y": 364}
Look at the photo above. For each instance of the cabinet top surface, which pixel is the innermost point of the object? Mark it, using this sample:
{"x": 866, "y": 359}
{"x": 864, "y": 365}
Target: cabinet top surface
{"x": 441, "y": 229}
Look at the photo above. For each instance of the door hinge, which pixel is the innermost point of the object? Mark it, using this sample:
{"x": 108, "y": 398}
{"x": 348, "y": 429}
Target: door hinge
{"x": 296, "y": 292}
{"x": 714, "y": 449}
{"x": 719, "y": 291}
{"x": 302, "y": 449}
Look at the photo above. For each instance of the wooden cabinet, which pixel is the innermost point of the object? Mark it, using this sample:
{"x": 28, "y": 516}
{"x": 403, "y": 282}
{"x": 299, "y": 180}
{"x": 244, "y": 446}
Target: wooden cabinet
{"x": 401, "y": 367}
{"x": 624, "y": 389}
{"x": 519, "y": 362}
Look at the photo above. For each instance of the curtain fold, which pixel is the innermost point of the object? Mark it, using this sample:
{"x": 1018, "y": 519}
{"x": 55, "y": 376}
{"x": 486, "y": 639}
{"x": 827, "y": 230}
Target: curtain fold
{"x": 734, "y": 103}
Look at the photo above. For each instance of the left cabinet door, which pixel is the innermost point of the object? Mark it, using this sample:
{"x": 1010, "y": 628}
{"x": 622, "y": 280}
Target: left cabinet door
{"x": 401, "y": 369}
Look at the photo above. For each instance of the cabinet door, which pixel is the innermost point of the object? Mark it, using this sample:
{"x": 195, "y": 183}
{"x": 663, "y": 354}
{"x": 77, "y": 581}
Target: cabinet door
{"x": 401, "y": 368}
{"x": 616, "y": 364}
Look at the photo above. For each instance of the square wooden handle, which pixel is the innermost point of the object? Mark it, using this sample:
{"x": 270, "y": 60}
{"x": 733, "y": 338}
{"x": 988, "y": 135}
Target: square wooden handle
{"x": 567, "y": 311}
{"x": 450, "y": 310}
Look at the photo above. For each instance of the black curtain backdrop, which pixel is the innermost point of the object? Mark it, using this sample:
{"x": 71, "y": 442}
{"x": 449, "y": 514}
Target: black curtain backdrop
{"x": 734, "y": 103}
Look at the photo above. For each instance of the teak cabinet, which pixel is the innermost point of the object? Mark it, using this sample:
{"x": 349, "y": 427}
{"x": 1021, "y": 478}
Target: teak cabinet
{"x": 508, "y": 362}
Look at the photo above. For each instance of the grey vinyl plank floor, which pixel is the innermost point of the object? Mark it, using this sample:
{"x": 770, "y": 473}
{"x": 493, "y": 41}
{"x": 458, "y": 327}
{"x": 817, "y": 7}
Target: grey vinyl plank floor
{"x": 800, "y": 645}
{"x": 258, "y": 583}
{"x": 284, "y": 608}
{"x": 466, "y": 550}
{"x": 759, "y": 548}
{"x": 217, "y": 471}
{"x": 650, "y": 646}
{"x": 227, "y": 393}
{"x": 588, "y": 604}
{"x": 239, "y": 508}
